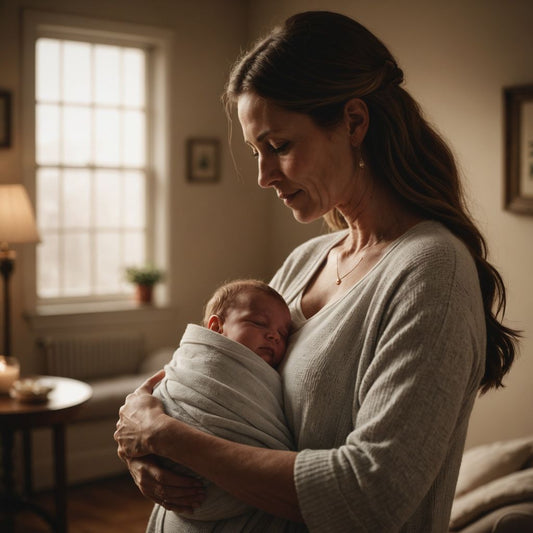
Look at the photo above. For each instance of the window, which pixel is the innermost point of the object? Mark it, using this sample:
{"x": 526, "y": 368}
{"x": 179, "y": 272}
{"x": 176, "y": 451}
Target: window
{"x": 96, "y": 180}
{"x": 91, "y": 175}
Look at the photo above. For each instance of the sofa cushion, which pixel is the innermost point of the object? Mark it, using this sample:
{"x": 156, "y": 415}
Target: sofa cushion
{"x": 512, "y": 488}
{"x": 109, "y": 395}
{"x": 515, "y": 518}
{"x": 485, "y": 463}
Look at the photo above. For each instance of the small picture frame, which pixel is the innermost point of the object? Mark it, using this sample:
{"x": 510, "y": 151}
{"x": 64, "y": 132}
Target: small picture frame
{"x": 519, "y": 149}
{"x": 203, "y": 160}
{"x": 5, "y": 119}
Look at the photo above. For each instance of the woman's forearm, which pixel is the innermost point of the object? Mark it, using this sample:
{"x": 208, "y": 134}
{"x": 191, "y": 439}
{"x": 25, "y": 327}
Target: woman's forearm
{"x": 260, "y": 477}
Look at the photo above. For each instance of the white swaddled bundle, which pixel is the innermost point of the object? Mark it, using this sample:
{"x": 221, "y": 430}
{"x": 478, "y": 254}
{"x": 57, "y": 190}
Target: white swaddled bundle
{"x": 223, "y": 388}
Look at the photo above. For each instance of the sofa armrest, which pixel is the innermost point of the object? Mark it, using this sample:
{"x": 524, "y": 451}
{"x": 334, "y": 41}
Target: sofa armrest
{"x": 515, "y": 518}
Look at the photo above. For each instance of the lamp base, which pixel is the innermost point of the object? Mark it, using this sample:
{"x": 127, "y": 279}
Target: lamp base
{"x": 7, "y": 265}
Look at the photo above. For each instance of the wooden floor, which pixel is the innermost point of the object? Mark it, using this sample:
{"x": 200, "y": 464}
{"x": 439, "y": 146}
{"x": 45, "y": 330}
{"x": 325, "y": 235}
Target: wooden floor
{"x": 110, "y": 506}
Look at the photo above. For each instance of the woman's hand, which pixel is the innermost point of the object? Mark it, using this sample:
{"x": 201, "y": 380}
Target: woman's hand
{"x": 177, "y": 493}
{"x": 139, "y": 419}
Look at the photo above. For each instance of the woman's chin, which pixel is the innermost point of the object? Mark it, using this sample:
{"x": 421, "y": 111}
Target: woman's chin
{"x": 305, "y": 218}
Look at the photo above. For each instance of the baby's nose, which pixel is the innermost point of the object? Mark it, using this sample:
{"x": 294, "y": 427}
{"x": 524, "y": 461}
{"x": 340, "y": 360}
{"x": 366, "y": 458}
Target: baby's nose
{"x": 274, "y": 336}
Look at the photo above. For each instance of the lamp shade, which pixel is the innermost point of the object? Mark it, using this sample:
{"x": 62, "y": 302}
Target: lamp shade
{"x": 17, "y": 222}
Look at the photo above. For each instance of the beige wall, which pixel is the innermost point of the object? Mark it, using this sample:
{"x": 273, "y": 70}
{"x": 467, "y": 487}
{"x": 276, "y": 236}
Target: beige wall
{"x": 457, "y": 56}
{"x": 217, "y": 231}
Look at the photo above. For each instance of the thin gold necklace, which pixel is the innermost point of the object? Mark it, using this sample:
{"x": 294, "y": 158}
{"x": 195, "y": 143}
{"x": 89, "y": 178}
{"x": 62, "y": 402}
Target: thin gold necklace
{"x": 339, "y": 279}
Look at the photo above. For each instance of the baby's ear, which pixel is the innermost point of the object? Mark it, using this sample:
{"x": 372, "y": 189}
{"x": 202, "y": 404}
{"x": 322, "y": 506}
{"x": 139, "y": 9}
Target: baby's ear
{"x": 215, "y": 323}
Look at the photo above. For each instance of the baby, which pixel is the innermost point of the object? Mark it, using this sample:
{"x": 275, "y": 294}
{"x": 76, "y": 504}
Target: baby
{"x": 252, "y": 313}
{"x": 216, "y": 382}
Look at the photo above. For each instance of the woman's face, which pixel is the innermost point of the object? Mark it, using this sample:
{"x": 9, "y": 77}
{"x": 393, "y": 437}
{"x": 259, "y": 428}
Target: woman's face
{"x": 311, "y": 169}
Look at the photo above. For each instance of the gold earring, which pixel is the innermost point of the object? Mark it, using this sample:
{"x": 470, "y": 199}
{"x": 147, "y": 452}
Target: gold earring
{"x": 361, "y": 163}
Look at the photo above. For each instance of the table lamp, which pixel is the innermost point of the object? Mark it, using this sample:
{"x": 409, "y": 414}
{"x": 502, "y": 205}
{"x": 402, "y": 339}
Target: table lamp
{"x": 17, "y": 225}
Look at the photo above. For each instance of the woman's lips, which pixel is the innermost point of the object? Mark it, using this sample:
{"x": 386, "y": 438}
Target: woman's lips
{"x": 287, "y": 197}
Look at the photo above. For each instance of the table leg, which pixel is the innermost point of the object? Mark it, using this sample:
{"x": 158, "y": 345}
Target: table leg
{"x": 60, "y": 478}
{"x": 28, "y": 475}
{"x": 8, "y": 481}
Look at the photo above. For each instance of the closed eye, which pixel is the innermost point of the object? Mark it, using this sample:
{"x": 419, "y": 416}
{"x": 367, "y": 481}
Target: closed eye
{"x": 258, "y": 323}
{"x": 280, "y": 149}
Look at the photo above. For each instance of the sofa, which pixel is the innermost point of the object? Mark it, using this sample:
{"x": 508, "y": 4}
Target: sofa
{"x": 494, "y": 491}
{"x": 114, "y": 366}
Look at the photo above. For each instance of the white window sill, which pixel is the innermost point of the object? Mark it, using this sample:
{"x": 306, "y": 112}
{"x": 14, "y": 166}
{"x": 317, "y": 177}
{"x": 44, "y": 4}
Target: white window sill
{"x": 96, "y": 314}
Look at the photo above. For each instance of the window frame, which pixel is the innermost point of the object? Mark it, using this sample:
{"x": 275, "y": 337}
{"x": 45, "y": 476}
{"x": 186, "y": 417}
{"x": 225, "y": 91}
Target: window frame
{"x": 157, "y": 42}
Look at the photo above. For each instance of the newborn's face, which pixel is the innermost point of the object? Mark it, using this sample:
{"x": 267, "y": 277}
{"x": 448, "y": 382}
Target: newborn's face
{"x": 261, "y": 323}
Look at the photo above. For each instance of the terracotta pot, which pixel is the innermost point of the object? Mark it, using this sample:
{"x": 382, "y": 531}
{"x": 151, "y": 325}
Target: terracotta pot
{"x": 144, "y": 294}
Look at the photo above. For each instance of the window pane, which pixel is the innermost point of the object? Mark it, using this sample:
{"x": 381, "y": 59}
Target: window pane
{"x": 47, "y": 69}
{"x": 107, "y": 74}
{"x": 76, "y": 72}
{"x": 108, "y": 267}
{"x": 76, "y": 264}
{"x": 76, "y": 199}
{"x": 76, "y": 135}
{"x": 107, "y": 199}
{"x": 134, "y": 141}
{"x": 90, "y": 123}
{"x": 134, "y": 249}
{"x": 47, "y": 133}
{"x": 47, "y": 266}
{"x": 107, "y": 138}
{"x": 134, "y": 69}
{"x": 48, "y": 198}
{"x": 134, "y": 200}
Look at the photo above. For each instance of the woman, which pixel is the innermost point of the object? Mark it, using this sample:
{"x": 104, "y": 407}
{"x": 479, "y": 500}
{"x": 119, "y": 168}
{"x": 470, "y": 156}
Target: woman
{"x": 395, "y": 315}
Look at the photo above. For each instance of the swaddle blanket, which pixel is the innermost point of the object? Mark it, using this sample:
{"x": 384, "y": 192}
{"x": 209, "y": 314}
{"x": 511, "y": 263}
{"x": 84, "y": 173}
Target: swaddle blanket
{"x": 223, "y": 388}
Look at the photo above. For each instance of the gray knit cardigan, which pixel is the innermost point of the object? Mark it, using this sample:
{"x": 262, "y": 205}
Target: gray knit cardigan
{"x": 378, "y": 389}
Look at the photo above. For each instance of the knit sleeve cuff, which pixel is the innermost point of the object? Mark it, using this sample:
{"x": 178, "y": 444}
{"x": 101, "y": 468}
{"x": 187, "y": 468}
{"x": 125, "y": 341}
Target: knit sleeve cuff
{"x": 323, "y": 505}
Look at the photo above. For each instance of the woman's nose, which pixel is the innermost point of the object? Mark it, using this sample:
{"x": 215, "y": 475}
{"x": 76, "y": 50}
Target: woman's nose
{"x": 267, "y": 171}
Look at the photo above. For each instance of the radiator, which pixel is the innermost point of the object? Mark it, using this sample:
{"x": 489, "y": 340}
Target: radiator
{"x": 92, "y": 357}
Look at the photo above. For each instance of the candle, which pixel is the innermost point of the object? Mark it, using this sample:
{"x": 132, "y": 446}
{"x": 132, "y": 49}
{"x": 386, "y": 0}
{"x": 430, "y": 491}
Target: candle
{"x": 9, "y": 373}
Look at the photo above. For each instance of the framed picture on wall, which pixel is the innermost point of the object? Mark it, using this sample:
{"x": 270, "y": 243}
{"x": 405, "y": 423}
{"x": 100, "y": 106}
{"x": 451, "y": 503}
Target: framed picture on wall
{"x": 519, "y": 149}
{"x": 5, "y": 119}
{"x": 203, "y": 160}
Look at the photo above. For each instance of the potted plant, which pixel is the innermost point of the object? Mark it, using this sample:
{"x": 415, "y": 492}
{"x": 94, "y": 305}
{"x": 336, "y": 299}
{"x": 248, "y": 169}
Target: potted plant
{"x": 144, "y": 279}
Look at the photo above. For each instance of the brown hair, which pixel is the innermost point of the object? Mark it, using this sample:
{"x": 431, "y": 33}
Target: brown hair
{"x": 316, "y": 62}
{"x": 226, "y": 296}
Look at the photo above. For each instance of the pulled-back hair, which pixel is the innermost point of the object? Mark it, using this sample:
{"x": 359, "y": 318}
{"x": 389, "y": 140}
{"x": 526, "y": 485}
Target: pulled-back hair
{"x": 226, "y": 296}
{"x": 314, "y": 64}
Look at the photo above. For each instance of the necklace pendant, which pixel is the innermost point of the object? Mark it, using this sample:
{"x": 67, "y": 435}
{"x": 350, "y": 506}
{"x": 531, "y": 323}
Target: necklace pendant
{"x": 338, "y": 281}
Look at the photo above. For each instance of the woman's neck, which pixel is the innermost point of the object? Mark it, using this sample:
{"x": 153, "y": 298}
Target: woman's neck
{"x": 379, "y": 218}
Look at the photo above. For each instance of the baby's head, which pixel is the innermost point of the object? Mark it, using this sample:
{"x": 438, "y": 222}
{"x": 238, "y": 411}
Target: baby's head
{"x": 252, "y": 313}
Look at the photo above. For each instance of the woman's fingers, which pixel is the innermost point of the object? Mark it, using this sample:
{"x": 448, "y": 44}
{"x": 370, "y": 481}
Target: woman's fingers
{"x": 174, "y": 492}
{"x": 136, "y": 419}
{"x": 152, "y": 381}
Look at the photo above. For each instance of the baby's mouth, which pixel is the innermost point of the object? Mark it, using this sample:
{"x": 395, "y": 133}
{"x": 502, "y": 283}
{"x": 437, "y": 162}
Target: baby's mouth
{"x": 266, "y": 353}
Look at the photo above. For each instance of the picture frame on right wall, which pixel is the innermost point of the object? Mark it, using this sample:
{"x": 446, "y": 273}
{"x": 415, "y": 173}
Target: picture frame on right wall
{"x": 518, "y": 103}
{"x": 5, "y": 119}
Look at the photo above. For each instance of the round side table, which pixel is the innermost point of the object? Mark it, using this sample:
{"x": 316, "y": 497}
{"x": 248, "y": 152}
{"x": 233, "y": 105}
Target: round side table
{"x": 62, "y": 405}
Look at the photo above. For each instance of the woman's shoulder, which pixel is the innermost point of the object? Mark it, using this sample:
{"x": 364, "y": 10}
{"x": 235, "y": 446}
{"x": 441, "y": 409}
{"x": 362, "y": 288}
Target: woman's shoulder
{"x": 432, "y": 241}
{"x": 430, "y": 251}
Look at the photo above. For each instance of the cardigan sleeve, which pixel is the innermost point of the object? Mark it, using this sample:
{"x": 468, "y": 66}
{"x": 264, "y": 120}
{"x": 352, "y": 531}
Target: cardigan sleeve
{"x": 416, "y": 390}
